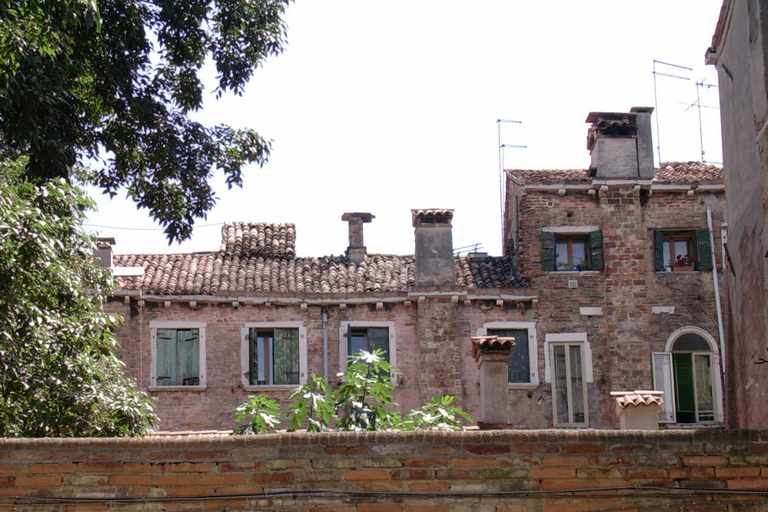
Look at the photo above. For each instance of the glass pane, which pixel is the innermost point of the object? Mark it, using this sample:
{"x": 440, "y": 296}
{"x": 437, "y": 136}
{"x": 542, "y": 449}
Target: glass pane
{"x": 704, "y": 398}
{"x": 681, "y": 248}
{"x": 561, "y": 384}
{"x": 577, "y": 385}
{"x": 667, "y": 256}
{"x": 519, "y": 363}
{"x": 253, "y": 357}
{"x": 378, "y": 338}
{"x": 357, "y": 342}
{"x": 662, "y": 381}
{"x": 561, "y": 250}
{"x": 691, "y": 342}
{"x": 579, "y": 252}
{"x": 263, "y": 341}
{"x": 286, "y": 356}
{"x": 685, "y": 401}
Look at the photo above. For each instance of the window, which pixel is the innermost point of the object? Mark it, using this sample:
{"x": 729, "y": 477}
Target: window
{"x": 688, "y": 374}
{"x": 572, "y": 248}
{"x": 178, "y": 354}
{"x": 676, "y": 249}
{"x": 355, "y": 336}
{"x": 524, "y": 363}
{"x": 568, "y": 367}
{"x": 273, "y": 354}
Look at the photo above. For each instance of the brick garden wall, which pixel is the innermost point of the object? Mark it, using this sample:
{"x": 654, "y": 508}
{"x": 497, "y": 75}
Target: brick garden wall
{"x": 499, "y": 471}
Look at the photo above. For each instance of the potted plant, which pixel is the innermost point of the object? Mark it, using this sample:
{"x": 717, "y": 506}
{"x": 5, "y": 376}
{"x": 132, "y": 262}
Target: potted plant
{"x": 684, "y": 263}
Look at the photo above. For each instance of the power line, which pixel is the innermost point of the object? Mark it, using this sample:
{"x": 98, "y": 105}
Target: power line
{"x": 146, "y": 229}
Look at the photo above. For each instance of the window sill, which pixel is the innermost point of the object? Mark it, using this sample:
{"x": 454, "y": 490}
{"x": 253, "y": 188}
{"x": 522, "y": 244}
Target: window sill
{"x": 529, "y": 386}
{"x": 270, "y": 387}
{"x": 192, "y": 389}
{"x": 688, "y": 426}
{"x": 576, "y": 272}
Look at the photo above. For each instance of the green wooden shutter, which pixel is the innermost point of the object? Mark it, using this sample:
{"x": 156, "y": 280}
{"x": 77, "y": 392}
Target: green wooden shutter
{"x": 253, "y": 357}
{"x": 548, "y": 255}
{"x": 658, "y": 250}
{"x": 165, "y": 371}
{"x": 286, "y": 356}
{"x": 378, "y": 337}
{"x": 596, "y": 249}
{"x": 703, "y": 250}
{"x": 188, "y": 354}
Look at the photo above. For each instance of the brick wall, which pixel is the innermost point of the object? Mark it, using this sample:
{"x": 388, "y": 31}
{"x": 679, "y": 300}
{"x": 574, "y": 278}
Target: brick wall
{"x": 500, "y": 471}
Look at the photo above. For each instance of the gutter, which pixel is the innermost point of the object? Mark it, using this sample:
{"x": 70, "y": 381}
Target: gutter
{"x": 717, "y": 292}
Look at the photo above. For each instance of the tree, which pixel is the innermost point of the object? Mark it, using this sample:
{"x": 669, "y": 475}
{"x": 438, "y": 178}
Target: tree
{"x": 58, "y": 373}
{"x": 111, "y": 83}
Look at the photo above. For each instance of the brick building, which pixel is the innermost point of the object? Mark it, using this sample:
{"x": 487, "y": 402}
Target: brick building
{"x": 740, "y": 53}
{"x": 589, "y": 288}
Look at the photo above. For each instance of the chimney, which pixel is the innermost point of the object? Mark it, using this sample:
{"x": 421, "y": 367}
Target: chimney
{"x": 102, "y": 254}
{"x": 621, "y": 144}
{"x": 356, "y": 249}
{"x": 492, "y": 354}
{"x": 434, "y": 247}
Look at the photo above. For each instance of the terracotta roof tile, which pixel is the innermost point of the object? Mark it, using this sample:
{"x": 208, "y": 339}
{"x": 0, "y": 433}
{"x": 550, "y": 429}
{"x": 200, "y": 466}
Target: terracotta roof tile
{"x": 668, "y": 172}
{"x": 261, "y": 259}
{"x": 638, "y": 397}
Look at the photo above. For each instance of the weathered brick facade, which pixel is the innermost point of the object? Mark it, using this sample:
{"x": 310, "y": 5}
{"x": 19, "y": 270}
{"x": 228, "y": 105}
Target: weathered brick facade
{"x": 603, "y": 319}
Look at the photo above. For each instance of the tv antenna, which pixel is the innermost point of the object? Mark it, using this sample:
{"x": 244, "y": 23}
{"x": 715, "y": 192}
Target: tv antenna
{"x": 502, "y": 180}
{"x": 699, "y": 106}
{"x": 655, "y": 95}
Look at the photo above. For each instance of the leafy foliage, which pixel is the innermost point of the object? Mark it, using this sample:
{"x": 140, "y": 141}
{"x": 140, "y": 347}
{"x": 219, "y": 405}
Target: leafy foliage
{"x": 359, "y": 403}
{"x": 58, "y": 373}
{"x": 438, "y": 414}
{"x": 366, "y": 388}
{"x": 263, "y": 415}
{"x": 313, "y": 404}
{"x": 112, "y": 84}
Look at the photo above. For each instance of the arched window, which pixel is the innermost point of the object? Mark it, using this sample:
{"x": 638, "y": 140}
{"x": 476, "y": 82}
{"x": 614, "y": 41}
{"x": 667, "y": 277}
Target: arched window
{"x": 689, "y": 374}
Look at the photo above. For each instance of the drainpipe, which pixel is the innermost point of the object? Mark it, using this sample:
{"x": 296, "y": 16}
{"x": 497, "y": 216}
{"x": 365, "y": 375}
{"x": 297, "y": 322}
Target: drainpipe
{"x": 717, "y": 291}
{"x": 325, "y": 343}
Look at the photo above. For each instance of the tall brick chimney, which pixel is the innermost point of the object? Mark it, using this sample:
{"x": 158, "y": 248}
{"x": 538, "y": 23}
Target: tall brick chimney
{"x": 434, "y": 247}
{"x": 356, "y": 250}
{"x": 621, "y": 144}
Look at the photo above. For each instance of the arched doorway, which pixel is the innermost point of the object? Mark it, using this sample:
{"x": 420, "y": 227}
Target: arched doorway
{"x": 689, "y": 374}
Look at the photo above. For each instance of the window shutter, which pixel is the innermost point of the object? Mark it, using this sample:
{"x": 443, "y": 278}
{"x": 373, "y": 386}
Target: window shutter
{"x": 685, "y": 400}
{"x": 548, "y": 256}
{"x": 662, "y": 381}
{"x": 658, "y": 250}
{"x": 519, "y": 363}
{"x": 378, "y": 337}
{"x": 253, "y": 356}
{"x": 703, "y": 250}
{"x": 166, "y": 374}
{"x": 188, "y": 353}
{"x": 596, "y": 249}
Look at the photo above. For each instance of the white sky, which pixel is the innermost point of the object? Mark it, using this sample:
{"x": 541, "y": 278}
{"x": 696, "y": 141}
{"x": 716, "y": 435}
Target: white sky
{"x": 384, "y": 106}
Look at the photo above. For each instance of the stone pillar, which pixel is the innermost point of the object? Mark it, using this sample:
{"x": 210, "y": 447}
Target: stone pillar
{"x": 639, "y": 409}
{"x": 492, "y": 355}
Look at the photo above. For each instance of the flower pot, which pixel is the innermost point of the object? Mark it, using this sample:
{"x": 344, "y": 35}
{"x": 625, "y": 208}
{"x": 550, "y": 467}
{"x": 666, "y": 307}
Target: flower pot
{"x": 682, "y": 268}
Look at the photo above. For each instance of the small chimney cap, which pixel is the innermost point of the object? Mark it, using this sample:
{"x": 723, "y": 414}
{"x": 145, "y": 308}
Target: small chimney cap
{"x": 105, "y": 242}
{"x": 642, "y": 110}
{"x": 364, "y": 216}
{"x": 431, "y": 216}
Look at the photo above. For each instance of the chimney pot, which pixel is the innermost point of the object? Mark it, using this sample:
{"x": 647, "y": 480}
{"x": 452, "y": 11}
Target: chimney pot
{"x": 621, "y": 144}
{"x": 356, "y": 250}
{"x": 102, "y": 254}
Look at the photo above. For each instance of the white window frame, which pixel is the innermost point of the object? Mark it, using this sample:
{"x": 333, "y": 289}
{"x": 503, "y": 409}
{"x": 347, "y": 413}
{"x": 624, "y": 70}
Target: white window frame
{"x": 569, "y": 338}
{"x": 245, "y": 351}
{"x": 344, "y": 342}
{"x": 533, "y": 349}
{"x": 154, "y": 325}
{"x": 668, "y": 409}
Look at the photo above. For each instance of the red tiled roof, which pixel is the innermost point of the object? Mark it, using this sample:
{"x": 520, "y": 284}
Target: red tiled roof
{"x": 668, "y": 172}
{"x": 245, "y": 264}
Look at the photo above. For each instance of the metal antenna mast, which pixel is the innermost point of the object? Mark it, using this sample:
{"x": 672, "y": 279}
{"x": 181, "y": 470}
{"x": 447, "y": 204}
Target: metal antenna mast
{"x": 656, "y": 99}
{"x": 502, "y": 181}
{"x": 699, "y": 106}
